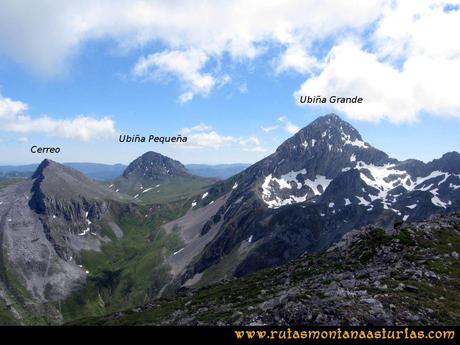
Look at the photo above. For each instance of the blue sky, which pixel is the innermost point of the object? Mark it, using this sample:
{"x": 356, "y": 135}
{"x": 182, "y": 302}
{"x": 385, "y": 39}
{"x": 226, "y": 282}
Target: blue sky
{"x": 233, "y": 90}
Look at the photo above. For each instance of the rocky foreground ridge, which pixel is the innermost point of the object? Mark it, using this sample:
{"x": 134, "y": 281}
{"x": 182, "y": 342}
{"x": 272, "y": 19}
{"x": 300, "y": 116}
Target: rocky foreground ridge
{"x": 406, "y": 275}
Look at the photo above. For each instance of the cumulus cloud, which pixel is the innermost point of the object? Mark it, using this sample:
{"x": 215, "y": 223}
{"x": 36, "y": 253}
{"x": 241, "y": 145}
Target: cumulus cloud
{"x": 185, "y": 65}
{"x": 204, "y": 136}
{"x": 410, "y": 67}
{"x": 198, "y": 128}
{"x": 423, "y": 84}
{"x": 269, "y": 129}
{"x": 285, "y": 124}
{"x": 44, "y": 35}
{"x": 295, "y": 58}
{"x": 288, "y": 125}
{"x": 425, "y": 27}
{"x": 14, "y": 118}
{"x": 251, "y": 144}
{"x": 408, "y": 51}
{"x": 254, "y": 149}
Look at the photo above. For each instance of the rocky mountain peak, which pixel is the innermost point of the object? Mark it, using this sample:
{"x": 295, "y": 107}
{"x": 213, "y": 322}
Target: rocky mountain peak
{"x": 155, "y": 167}
{"x": 449, "y": 162}
{"x": 336, "y": 125}
{"x": 327, "y": 132}
{"x": 51, "y": 169}
{"x": 321, "y": 151}
{"x": 41, "y": 167}
{"x": 55, "y": 181}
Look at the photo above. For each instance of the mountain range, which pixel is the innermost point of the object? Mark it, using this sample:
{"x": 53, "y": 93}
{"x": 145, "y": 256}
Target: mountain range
{"x": 108, "y": 172}
{"x": 73, "y": 247}
{"x": 221, "y": 171}
{"x": 405, "y": 274}
{"x": 318, "y": 185}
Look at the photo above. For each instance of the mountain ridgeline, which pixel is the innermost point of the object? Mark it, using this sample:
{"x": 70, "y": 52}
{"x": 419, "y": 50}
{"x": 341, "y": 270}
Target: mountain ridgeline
{"x": 406, "y": 274}
{"x": 153, "y": 177}
{"x": 72, "y": 247}
{"x": 46, "y": 223}
{"x": 319, "y": 184}
{"x": 108, "y": 172}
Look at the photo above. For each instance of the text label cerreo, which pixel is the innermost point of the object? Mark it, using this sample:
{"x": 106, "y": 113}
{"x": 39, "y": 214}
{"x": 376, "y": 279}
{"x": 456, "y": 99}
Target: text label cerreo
{"x": 331, "y": 99}
{"x": 124, "y": 138}
{"x": 38, "y": 149}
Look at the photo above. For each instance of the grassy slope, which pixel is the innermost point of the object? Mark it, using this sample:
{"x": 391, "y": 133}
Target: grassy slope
{"x": 240, "y": 299}
{"x": 127, "y": 272}
{"x": 174, "y": 190}
{"x": 131, "y": 270}
{"x": 9, "y": 181}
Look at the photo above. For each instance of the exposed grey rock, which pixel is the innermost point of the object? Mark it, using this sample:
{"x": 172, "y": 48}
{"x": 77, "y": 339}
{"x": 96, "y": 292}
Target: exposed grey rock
{"x": 411, "y": 288}
{"x": 315, "y": 290}
{"x": 290, "y": 218}
{"x": 44, "y": 224}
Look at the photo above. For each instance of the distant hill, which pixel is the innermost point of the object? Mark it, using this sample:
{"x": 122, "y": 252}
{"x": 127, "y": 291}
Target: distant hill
{"x": 222, "y": 171}
{"x": 106, "y": 172}
{"x": 96, "y": 171}
{"x": 153, "y": 177}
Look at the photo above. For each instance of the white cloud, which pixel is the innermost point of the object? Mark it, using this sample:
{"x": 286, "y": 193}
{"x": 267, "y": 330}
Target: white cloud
{"x": 254, "y": 149}
{"x": 410, "y": 56}
{"x": 423, "y": 84}
{"x": 23, "y": 139}
{"x": 210, "y": 139}
{"x": 297, "y": 59}
{"x": 198, "y": 128}
{"x": 269, "y": 128}
{"x": 9, "y": 109}
{"x": 44, "y": 35}
{"x": 185, "y": 65}
{"x": 410, "y": 66}
{"x": 250, "y": 141}
{"x": 14, "y": 118}
{"x": 204, "y": 136}
{"x": 411, "y": 28}
{"x": 288, "y": 125}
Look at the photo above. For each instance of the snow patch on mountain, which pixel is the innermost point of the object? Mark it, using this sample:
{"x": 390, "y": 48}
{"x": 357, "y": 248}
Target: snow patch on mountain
{"x": 453, "y": 186}
{"x": 320, "y": 180}
{"x": 435, "y": 199}
{"x": 346, "y": 138}
{"x": 362, "y": 201}
{"x": 272, "y": 184}
{"x": 386, "y": 177}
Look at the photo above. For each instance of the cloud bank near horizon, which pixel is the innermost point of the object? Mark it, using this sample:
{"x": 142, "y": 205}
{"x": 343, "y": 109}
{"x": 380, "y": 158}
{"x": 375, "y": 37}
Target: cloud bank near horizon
{"x": 14, "y": 118}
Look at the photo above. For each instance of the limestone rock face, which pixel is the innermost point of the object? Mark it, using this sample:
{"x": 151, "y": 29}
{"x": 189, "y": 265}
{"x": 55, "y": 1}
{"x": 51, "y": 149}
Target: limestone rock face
{"x": 318, "y": 185}
{"x": 46, "y": 221}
